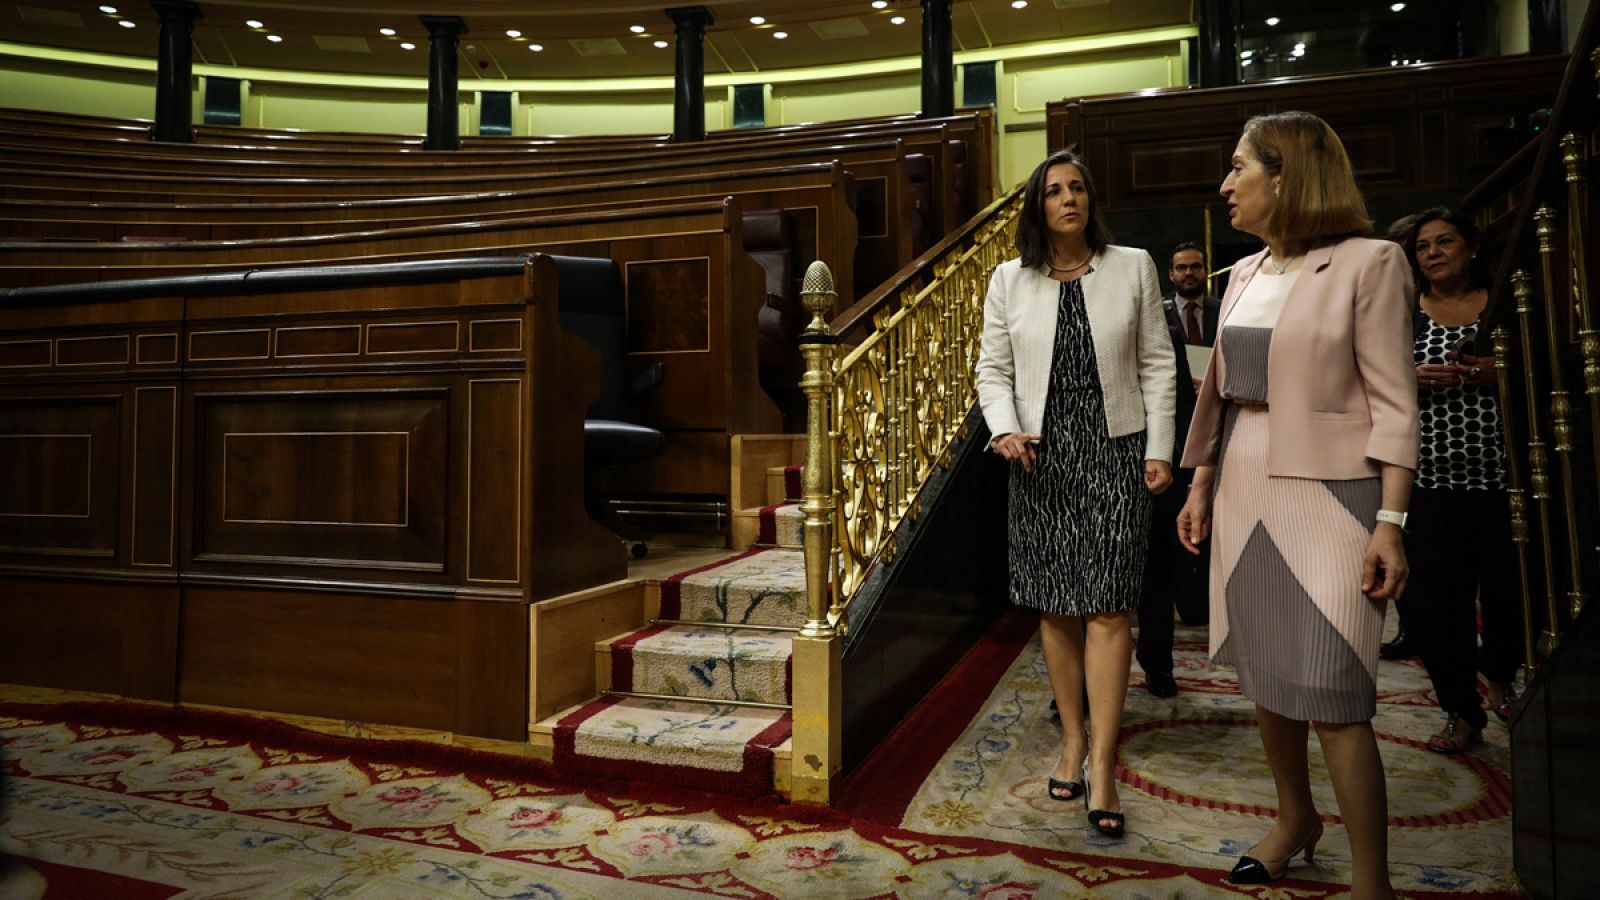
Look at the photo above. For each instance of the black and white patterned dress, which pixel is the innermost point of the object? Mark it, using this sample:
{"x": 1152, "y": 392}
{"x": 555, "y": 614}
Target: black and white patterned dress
{"x": 1078, "y": 521}
{"x": 1461, "y": 443}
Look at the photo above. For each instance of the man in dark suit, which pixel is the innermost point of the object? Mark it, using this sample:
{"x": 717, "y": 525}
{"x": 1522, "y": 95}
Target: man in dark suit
{"x": 1171, "y": 574}
{"x": 1190, "y": 309}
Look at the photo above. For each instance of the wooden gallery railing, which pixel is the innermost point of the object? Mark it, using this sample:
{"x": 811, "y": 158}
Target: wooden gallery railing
{"x": 1545, "y": 322}
{"x": 882, "y": 416}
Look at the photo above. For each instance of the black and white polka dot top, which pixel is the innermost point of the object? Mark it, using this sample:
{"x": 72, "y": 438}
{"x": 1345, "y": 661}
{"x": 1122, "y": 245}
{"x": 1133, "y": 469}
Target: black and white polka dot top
{"x": 1461, "y": 436}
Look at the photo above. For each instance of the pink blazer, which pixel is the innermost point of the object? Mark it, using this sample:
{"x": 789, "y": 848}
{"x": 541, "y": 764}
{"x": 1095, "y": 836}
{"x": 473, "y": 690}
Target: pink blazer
{"x": 1341, "y": 383}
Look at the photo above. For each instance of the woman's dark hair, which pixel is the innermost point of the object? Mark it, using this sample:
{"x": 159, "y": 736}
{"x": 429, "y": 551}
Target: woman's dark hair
{"x": 1477, "y": 268}
{"x": 1033, "y": 233}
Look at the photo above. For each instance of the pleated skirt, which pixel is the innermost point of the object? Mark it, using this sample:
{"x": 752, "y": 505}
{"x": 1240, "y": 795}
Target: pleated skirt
{"x": 1286, "y": 602}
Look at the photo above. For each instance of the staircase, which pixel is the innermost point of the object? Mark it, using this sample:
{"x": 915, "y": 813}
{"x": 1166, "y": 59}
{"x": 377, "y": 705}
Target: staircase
{"x": 700, "y": 697}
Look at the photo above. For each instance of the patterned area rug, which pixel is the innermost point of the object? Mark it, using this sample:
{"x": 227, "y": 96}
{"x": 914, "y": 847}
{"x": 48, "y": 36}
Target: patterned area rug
{"x": 132, "y": 800}
{"x": 1197, "y": 791}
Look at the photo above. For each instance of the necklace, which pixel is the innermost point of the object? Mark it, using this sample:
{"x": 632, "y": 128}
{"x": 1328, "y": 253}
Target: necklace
{"x": 1080, "y": 264}
{"x": 1284, "y": 267}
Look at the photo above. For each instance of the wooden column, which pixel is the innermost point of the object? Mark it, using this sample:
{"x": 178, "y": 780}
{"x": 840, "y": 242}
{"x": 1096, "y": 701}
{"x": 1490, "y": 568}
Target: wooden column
{"x": 938, "y": 60}
{"x": 443, "y": 108}
{"x": 175, "y": 70}
{"x": 689, "y": 81}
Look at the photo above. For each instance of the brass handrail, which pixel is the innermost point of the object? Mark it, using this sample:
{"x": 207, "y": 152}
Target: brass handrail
{"x": 900, "y": 398}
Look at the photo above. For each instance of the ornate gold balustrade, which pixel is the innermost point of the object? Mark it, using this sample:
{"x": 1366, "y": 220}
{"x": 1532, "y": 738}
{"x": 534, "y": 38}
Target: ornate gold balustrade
{"x": 881, "y": 418}
{"x": 1547, "y": 338}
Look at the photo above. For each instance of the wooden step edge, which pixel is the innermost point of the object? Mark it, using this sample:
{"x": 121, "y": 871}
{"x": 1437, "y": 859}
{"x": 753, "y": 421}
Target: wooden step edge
{"x": 542, "y": 734}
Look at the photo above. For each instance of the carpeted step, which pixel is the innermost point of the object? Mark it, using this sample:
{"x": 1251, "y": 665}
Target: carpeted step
{"x": 698, "y": 745}
{"x": 758, "y": 587}
{"x": 745, "y": 664}
{"x": 781, "y": 526}
{"x": 784, "y": 484}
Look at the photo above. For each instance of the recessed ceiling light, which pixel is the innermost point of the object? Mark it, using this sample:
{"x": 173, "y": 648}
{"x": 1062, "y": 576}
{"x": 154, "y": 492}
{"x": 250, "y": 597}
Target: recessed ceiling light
{"x": 758, "y": 20}
{"x": 1019, "y": 4}
{"x": 407, "y": 45}
{"x": 1299, "y": 45}
{"x": 1272, "y": 21}
{"x": 1246, "y": 54}
{"x": 386, "y": 32}
{"x": 252, "y": 23}
{"x": 636, "y": 29}
{"x": 125, "y": 23}
{"x": 513, "y": 33}
{"x": 661, "y": 45}
{"x": 1396, "y": 7}
{"x": 1297, "y": 52}
{"x": 879, "y": 4}
{"x": 898, "y": 20}
{"x": 275, "y": 39}
{"x": 537, "y": 48}
{"x": 109, "y": 10}
{"x": 780, "y": 35}
{"x": 1246, "y": 62}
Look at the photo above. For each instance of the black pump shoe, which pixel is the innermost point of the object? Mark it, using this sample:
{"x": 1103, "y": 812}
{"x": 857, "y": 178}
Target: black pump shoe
{"x": 1250, "y": 870}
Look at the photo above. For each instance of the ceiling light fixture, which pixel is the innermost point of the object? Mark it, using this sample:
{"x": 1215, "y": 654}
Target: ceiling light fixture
{"x": 1246, "y": 54}
{"x": 275, "y": 38}
{"x": 513, "y": 33}
{"x": 636, "y": 29}
{"x": 898, "y": 20}
{"x": 537, "y": 48}
{"x": 1272, "y": 21}
{"x": 780, "y": 35}
{"x": 1019, "y": 4}
{"x": 109, "y": 10}
{"x": 407, "y": 45}
{"x": 758, "y": 20}
{"x": 125, "y": 23}
{"x": 252, "y": 23}
{"x": 1246, "y": 62}
{"x": 880, "y": 4}
{"x": 386, "y": 32}
{"x": 1396, "y": 7}
{"x": 661, "y": 45}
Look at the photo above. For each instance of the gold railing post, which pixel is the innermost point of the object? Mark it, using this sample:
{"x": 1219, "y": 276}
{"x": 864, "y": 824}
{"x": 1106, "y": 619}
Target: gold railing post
{"x": 1538, "y": 462}
{"x": 1517, "y": 500}
{"x": 1560, "y": 403}
{"x": 1572, "y": 151}
{"x": 817, "y": 671}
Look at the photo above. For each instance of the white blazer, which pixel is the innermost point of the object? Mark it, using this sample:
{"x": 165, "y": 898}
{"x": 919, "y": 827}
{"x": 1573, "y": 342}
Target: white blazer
{"x": 1132, "y": 347}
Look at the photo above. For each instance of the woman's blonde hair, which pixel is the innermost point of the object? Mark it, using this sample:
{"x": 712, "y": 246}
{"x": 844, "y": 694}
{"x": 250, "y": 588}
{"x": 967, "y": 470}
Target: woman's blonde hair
{"x": 1317, "y": 200}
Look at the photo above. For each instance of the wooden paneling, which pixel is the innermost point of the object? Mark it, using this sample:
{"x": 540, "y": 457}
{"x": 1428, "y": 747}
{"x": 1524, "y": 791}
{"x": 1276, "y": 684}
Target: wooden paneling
{"x": 301, "y": 476}
{"x": 669, "y": 305}
{"x": 111, "y": 638}
{"x": 494, "y": 475}
{"x": 155, "y": 471}
{"x": 60, "y": 475}
{"x": 346, "y": 656}
{"x": 1408, "y": 129}
{"x": 563, "y": 637}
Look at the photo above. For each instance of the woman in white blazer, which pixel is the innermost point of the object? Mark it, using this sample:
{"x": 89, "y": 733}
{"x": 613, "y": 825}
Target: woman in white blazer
{"x": 1077, "y": 381}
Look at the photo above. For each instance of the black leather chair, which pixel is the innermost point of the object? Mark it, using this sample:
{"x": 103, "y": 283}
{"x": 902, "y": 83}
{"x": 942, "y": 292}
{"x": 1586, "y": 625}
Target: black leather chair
{"x": 769, "y": 239}
{"x": 594, "y": 308}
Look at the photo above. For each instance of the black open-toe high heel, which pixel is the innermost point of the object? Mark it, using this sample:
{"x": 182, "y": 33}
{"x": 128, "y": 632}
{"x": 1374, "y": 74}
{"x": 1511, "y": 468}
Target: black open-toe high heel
{"x": 1065, "y": 791}
{"x": 1250, "y": 870}
{"x": 1097, "y": 817}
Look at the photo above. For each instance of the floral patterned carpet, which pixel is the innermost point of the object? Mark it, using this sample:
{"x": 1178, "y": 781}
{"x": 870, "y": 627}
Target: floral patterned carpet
{"x": 1197, "y": 792}
{"x": 134, "y": 800}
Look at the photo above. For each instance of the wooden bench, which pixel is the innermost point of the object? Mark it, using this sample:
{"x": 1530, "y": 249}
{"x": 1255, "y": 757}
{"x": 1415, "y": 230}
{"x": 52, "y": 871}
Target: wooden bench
{"x": 694, "y": 297}
{"x": 329, "y": 492}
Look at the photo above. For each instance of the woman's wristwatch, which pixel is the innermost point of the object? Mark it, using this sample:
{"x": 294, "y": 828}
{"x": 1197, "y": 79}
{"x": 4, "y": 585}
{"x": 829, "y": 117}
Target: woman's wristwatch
{"x": 1397, "y": 519}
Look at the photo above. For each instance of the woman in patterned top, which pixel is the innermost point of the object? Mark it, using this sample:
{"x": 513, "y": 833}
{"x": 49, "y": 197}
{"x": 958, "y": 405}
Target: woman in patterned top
{"x": 1460, "y": 536}
{"x": 1077, "y": 380}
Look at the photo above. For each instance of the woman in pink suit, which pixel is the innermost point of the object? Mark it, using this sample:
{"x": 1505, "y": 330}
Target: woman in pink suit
{"x": 1304, "y": 444}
